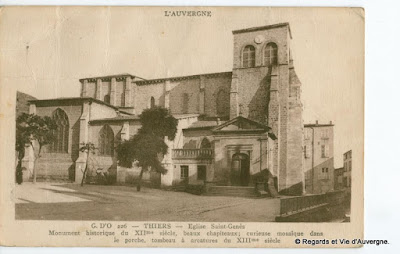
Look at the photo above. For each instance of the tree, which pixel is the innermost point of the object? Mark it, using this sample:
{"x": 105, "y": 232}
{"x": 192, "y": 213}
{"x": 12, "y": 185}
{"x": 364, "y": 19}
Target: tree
{"x": 88, "y": 148}
{"x": 148, "y": 147}
{"x": 32, "y": 128}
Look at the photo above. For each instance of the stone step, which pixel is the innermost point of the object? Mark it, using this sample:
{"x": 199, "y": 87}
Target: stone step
{"x": 237, "y": 191}
{"x": 41, "y": 178}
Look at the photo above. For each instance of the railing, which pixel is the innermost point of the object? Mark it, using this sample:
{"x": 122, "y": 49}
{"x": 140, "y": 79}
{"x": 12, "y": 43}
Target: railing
{"x": 302, "y": 203}
{"x": 192, "y": 154}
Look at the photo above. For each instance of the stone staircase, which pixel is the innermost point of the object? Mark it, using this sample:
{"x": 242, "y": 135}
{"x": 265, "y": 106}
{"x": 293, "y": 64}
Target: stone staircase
{"x": 235, "y": 191}
{"x": 54, "y": 168}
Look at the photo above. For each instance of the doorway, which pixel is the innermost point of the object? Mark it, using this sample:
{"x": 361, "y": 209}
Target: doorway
{"x": 240, "y": 171}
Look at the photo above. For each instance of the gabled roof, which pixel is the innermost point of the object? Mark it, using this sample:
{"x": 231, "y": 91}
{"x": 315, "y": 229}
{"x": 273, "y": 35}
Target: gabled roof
{"x": 204, "y": 124}
{"x": 241, "y": 125}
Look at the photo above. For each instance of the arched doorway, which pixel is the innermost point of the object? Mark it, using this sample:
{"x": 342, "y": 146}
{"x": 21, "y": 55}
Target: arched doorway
{"x": 240, "y": 171}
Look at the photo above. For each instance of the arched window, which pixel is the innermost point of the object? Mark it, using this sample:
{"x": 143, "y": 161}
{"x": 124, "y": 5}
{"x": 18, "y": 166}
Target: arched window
{"x": 122, "y": 99}
{"x": 205, "y": 144}
{"x": 185, "y": 103}
{"x": 106, "y": 141}
{"x": 222, "y": 103}
{"x": 270, "y": 54}
{"x": 60, "y": 144}
{"x": 152, "y": 102}
{"x": 249, "y": 56}
{"x": 107, "y": 98}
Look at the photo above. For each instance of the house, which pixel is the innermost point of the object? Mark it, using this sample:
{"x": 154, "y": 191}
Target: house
{"x": 347, "y": 165}
{"x": 318, "y": 158}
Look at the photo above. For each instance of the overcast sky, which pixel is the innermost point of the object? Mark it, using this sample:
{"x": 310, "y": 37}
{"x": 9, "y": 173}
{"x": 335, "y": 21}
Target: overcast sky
{"x": 49, "y": 49}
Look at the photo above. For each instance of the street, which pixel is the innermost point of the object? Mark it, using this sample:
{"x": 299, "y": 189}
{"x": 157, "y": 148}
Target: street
{"x": 51, "y": 201}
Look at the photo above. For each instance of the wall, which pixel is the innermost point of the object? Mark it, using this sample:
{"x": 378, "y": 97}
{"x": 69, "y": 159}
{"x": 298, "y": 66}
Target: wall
{"x": 100, "y": 111}
{"x": 199, "y": 102}
{"x": 22, "y": 104}
{"x": 106, "y": 89}
{"x": 347, "y": 167}
{"x": 107, "y": 163}
{"x": 178, "y": 89}
{"x": 120, "y": 93}
{"x": 143, "y": 94}
{"x": 91, "y": 89}
{"x": 294, "y": 173}
{"x": 60, "y": 166}
{"x": 180, "y": 137}
{"x": 323, "y": 135}
{"x": 213, "y": 84}
{"x": 253, "y": 93}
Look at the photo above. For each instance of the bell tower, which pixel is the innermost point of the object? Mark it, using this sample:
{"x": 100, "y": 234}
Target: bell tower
{"x": 264, "y": 84}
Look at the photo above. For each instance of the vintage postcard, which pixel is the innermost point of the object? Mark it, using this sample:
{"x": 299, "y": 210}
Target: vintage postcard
{"x": 181, "y": 126}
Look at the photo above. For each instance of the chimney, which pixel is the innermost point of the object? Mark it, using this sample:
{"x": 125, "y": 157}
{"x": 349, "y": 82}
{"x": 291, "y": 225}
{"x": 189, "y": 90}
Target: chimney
{"x": 316, "y": 122}
{"x": 218, "y": 121}
{"x": 330, "y": 122}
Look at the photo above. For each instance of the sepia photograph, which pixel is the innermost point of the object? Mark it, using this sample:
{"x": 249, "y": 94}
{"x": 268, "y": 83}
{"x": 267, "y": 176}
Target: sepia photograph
{"x": 194, "y": 114}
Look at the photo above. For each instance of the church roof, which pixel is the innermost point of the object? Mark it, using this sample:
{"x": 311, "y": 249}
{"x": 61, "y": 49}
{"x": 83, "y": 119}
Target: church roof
{"x": 258, "y": 28}
{"x": 240, "y": 123}
{"x": 160, "y": 80}
{"x": 63, "y": 99}
{"x": 181, "y": 116}
{"x": 108, "y": 77}
{"x": 136, "y": 118}
{"x": 117, "y": 118}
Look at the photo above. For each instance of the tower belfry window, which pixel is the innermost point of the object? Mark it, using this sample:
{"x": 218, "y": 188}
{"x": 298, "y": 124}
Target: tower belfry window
{"x": 271, "y": 54}
{"x": 249, "y": 57}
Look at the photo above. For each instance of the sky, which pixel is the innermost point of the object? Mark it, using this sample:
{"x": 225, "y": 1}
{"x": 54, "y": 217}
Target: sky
{"x": 51, "y": 48}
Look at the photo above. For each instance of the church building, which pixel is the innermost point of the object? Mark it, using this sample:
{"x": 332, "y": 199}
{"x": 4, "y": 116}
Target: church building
{"x": 232, "y": 126}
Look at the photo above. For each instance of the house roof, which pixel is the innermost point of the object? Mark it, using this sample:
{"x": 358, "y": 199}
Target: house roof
{"x": 318, "y": 125}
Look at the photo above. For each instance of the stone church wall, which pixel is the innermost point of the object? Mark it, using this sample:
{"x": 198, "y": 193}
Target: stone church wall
{"x": 60, "y": 166}
{"x": 213, "y": 85}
